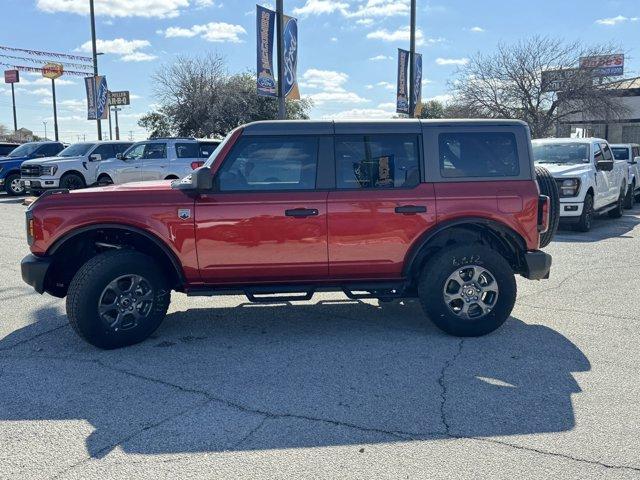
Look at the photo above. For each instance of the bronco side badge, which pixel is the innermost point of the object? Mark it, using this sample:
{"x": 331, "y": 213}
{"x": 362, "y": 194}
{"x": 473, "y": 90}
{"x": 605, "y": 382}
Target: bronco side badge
{"x": 184, "y": 213}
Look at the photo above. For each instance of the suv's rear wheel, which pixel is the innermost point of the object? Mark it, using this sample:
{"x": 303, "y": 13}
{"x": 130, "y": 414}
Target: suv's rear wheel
{"x": 72, "y": 181}
{"x": 467, "y": 291}
{"x": 117, "y": 298}
{"x": 13, "y": 186}
{"x": 549, "y": 187}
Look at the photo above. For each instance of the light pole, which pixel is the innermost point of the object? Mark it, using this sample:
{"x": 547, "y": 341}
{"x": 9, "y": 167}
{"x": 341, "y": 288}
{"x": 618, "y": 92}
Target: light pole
{"x": 95, "y": 56}
{"x": 282, "y": 110}
{"x": 117, "y": 109}
{"x": 412, "y": 54}
{"x": 45, "y": 129}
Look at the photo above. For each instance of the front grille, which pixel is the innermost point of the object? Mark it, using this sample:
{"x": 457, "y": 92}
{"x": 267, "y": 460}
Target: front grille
{"x": 30, "y": 171}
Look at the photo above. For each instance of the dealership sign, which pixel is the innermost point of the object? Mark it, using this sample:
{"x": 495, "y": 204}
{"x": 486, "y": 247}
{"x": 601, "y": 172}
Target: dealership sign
{"x": 52, "y": 70}
{"x": 265, "y": 26}
{"x": 604, "y": 65}
{"x": 402, "y": 96}
{"x": 97, "y": 98}
{"x": 11, "y": 76}
{"x": 559, "y": 80}
{"x": 119, "y": 98}
{"x": 290, "y": 39}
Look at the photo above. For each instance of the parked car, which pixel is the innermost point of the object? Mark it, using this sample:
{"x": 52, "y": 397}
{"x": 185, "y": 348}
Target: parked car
{"x": 158, "y": 159}
{"x": 630, "y": 153}
{"x": 74, "y": 167}
{"x": 590, "y": 180}
{"x": 445, "y": 211}
{"x": 7, "y": 147}
{"x": 10, "y": 164}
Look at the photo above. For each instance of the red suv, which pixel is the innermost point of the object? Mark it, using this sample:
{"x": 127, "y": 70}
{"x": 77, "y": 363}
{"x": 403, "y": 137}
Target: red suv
{"x": 445, "y": 211}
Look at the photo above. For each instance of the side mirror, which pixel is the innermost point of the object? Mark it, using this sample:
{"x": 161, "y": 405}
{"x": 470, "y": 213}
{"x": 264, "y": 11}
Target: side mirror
{"x": 200, "y": 181}
{"x": 604, "y": 165}
{"x": 96, "y": 157}
{"x": 635, "y": 160}
{"x": 120, "y": 156}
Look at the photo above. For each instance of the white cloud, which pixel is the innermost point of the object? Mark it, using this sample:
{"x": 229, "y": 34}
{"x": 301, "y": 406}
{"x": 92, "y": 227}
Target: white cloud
{"x": 204, "y": 3}
{"x": 116, "y": 8}
{"x": 616, "y": 20}
{"x": 129, "y": 50}
{"x": 386, "y": 85}
{"x": 387, "y": 106}
{"x": 440, "y": 98}
{"x": 477, "y": 29}
{"x": 138, "y": 57}
{"x": 403, "y": 35}
{"x": 337, "y": 97}
{"x": 361, "y": 113}
{"x": 334, "y": 39}
{"x": 365, "y": 21}
{"x": 381, "y": 8}
{"x": 217, "y": 32}
{"x": 45, "y": 81}
{"x": 319, "y": 7}
{"x": 379, "y": 58}
{"x": 327, "y": 80}
{"x": 452, "y": 61}
{"x": 369, "y": 87}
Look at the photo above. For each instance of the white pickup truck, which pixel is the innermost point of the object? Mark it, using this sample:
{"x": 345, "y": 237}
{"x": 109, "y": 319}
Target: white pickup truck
{"x": 590, "y": 180}
{"x": 630, "y": 153}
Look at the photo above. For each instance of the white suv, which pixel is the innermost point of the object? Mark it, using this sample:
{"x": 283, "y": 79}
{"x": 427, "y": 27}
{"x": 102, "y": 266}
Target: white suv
{"x": 74, "y": 167}
{"x": 158, "y": 159}
{"x": 589, "y": 179}
{"x": 630, "y": 153}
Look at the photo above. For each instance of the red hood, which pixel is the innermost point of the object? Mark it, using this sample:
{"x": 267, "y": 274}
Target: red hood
{"x": 152, "y": 186}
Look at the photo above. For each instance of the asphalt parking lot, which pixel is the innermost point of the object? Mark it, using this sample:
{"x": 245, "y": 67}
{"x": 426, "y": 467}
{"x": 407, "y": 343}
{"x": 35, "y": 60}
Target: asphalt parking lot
{"x": 333, "y": 388}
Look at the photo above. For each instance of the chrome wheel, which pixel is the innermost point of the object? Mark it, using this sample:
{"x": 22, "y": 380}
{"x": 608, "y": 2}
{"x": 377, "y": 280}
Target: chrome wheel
{"x": 16, "y": 187}
{"x": 125, "y": 302}
{"x": 471, "y": 292}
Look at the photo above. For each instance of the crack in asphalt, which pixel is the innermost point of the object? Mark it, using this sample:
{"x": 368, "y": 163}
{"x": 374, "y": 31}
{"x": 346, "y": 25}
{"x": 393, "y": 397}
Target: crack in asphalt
{"x": 27, "y": 340}
{"x": 443, "y": 387}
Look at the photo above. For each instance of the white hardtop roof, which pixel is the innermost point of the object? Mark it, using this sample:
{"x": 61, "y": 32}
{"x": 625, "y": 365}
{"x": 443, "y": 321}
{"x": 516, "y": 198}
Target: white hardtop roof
{"x": 569, "y": 140}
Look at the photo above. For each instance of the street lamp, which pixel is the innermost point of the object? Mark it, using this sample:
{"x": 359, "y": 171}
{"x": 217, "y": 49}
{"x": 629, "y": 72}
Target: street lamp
{"x": 45, "y": 129}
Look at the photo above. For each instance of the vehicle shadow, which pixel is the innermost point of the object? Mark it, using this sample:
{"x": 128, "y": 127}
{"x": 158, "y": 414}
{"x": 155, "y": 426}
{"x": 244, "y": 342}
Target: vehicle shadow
{"x": 602, "y": 229}
{"x": 253, "y": 377}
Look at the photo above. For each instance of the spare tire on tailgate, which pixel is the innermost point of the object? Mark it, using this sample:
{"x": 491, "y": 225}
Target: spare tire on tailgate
{"x": 549, "y": 187}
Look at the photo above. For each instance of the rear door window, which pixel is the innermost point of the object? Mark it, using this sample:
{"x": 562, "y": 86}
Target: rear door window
{"x": 50, "y": 149}
{"x": 207, "y": 148}
{"x": 377, "y": 161}
{"x": 482, "y": 154}
{"x": 270, "y": 164}
{"x": 187, "y": 150}
{"x": 155, "y": 151}
{"x": 105, "y": 151}
{"x": 620, "y": 153}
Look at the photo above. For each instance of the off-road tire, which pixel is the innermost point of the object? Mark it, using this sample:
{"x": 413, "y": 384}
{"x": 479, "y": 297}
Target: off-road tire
{"x": 88, "y": 286}
{"x": 11, "y": 178}
{"x": 586, "y": 218}
{"x": 104, "y": 180}
{"x": 630, "y": 197}
{"x": 435, "y": 274}
{"x": 72, "y": 181}
{"x": 549, "y": 187}
{"x": 619, "y": 210}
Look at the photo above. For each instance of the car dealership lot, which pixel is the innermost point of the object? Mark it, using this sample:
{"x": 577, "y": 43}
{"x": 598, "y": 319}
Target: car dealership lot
{"x": 333, "y": 388}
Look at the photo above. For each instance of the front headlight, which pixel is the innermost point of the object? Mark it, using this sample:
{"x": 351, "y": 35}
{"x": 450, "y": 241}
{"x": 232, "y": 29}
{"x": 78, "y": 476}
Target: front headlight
{"x": 49, "y": 169}
{"x": 569, "y": 187}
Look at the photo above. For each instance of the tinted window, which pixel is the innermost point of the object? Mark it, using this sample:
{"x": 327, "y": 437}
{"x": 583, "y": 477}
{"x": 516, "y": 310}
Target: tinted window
{"x": 207, "y": 148}
{"x": 24, "y": 150}
{"x": 478, "y": 155}
{"x": 187, "y": 150}
{"x": 76, "y": 150}
{"x": 561, "y": 152}
{"x": 377, "y": 161}
{"x": 6, "y": 149}
{"x": 120, "y": 147}
{"x": 607, "y": 152}
{"x": 620, "y": 153}
{"x": 50, "y": 149}
{"x": 274, "y": 163}
{"x": 105, "y": 151}
{"x": 636, "y": 152}
{"x": 154, "y": 151}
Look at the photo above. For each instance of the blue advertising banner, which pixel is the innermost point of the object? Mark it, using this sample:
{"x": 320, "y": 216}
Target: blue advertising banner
{"x": 265, "y": 27}
{"x": 402, "y": 97}
{"x": 102, "y": 98}
{"x": 290, "y": 39}
{"x": 417, "y": 84}
{"x": 90, "y": 85}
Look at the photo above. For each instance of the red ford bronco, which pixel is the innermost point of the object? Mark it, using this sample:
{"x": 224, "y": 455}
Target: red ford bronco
{"x": 445, "y": 211}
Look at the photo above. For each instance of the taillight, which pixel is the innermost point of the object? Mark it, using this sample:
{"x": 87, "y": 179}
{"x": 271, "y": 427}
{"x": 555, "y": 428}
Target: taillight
{"x": 30, "y": 228}
{"x": 196, "y": 164}
{"x": 544, "y": 204}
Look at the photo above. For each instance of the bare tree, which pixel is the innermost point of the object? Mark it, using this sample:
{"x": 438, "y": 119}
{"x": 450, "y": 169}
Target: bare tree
{"x": 198, "y": 97}
{"x": 510, "y": 84}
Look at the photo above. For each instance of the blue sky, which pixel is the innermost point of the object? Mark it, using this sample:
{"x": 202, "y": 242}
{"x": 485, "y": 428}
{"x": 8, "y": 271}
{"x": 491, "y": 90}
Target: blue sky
{"x": 347, "y": 48}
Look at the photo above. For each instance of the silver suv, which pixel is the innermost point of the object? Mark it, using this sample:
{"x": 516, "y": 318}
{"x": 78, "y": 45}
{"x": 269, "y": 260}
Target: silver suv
{"x": 157, "y": 159}
{"x": 74, "y": 167}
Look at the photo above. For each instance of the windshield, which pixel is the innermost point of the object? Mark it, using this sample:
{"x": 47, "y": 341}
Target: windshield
{"x": 24, "y": 150}
{"x": 620, "y": 153}
{"x": 561, "y": 152}
{"x": 216, "y": 152}
{"x": 76, "y": 150}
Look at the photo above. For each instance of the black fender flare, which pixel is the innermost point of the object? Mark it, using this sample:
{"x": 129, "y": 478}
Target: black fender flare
{"x": 120, "y": 226}
{"x": 418, "y": 251}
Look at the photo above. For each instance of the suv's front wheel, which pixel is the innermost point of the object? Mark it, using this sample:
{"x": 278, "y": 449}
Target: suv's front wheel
{"x": 117, "y": 298}
{"x": 467, "y": 291}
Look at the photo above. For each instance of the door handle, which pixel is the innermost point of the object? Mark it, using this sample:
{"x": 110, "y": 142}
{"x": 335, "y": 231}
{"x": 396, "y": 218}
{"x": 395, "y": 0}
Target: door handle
{"x": 301, "y": 212}
{"x": 411, "y": 209}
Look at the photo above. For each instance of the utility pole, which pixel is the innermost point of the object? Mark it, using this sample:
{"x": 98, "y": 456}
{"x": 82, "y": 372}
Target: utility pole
{"x": 55, "y": 109}
{"x": 117, "y": 109}
{"x": 282, "y": 111}
{"x": 110, "y": 132}
{"x": 95, "y": 57}
{"x": 412, "y": 54}
{"x": 45, "y": 129}
{"x": 15, "y": 119}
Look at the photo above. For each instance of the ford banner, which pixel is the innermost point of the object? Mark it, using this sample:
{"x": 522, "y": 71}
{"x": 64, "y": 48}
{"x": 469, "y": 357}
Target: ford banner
{"x": 290, "y": 40}
{"x": 417, "y": 84}
{"x": 402, "y": 101}
{"x": 90, "y": 85}
{"x": 102, "y": 98}
{"x": 265, "y": 27}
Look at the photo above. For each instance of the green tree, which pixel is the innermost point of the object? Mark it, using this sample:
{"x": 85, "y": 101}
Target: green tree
{"x": 156, "y": 123}
{"x": 433, "y": 109}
